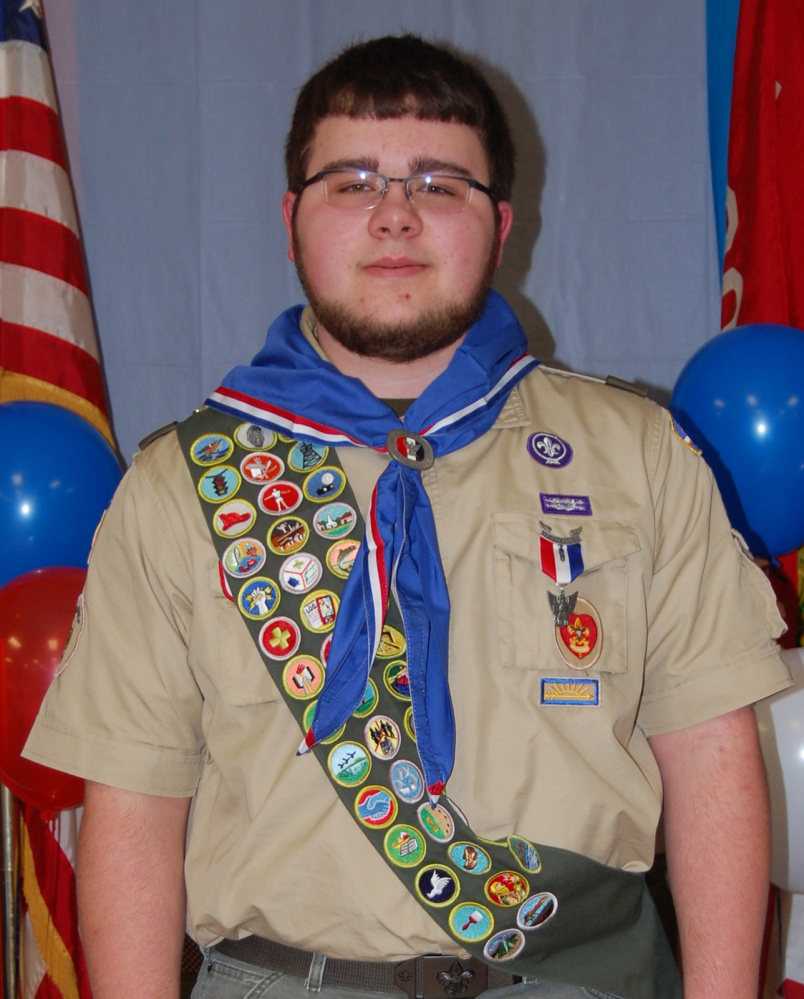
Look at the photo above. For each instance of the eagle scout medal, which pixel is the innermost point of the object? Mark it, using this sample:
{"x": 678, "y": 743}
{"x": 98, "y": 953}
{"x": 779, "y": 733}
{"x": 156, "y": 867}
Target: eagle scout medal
{"x": 562, "y": 561}
{"x": 580, "y": 640}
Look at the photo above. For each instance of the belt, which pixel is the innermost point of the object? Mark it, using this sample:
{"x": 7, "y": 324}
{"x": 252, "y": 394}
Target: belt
{"x": 431, "y": 976}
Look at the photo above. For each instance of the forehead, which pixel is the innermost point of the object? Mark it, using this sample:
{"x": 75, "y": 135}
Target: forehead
{"x": 396, "y": 146}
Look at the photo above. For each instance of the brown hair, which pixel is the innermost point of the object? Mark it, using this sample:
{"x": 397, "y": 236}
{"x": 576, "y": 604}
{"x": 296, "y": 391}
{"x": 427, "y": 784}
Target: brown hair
{"x": 396, "y": 76}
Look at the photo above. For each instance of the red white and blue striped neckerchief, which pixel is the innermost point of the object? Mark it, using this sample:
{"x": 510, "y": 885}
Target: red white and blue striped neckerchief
{"x": 289, "y": 388}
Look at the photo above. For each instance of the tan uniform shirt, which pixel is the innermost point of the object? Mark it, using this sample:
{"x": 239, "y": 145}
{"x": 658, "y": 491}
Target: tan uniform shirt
{"x": 165, "y": 693}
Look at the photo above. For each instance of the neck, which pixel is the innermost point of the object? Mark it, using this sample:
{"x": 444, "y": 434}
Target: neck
{"x": 388, "y": 379}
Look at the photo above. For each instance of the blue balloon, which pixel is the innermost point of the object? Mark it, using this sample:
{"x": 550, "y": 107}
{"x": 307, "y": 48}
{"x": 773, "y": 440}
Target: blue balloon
{"x": 57, "y": 475}
{"x": 741, "y": 400}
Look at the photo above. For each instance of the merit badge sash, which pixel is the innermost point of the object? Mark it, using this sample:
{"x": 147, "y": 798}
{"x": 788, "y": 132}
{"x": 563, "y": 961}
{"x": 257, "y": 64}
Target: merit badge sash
{"x": 287, "y": 530}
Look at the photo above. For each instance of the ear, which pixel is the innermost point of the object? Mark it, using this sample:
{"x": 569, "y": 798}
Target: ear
{"x": 506, "y": 221}
{"x": 288, "y": 201}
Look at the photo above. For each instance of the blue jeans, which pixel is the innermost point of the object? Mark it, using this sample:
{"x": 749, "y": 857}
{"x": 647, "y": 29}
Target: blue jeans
{"x": 223, "y": 977}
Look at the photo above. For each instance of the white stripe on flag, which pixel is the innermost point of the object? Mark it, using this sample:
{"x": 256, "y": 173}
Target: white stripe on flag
{"x": 27, "y": 73}
{"x": 36, "y": 185}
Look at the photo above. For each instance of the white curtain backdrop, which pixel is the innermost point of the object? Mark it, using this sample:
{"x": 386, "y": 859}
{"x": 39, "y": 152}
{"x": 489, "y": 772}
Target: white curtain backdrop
{"x": 176, "y": 112}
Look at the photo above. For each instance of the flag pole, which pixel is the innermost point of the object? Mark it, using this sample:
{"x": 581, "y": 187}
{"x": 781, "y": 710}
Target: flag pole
{"x": 9, "y": 894}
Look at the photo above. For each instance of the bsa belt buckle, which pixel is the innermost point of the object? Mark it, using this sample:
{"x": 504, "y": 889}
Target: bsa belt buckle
{"x": 435, "y": 976}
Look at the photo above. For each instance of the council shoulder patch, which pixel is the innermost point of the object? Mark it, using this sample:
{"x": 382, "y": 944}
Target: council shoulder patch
{"x": 682, "y": 435}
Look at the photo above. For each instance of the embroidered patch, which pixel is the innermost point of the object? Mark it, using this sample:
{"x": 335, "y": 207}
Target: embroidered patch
{"x": 211, "y": 449}
{"x": 437, "y": 885}
{"x": 335, "y": 520}
{"x": 253, "y": 437}
{"x": 469, "y": 857}
{"x": 682, "y": 435}
{"x": 341, "y": 557}
{"x": 319, "y": 610}
{"x": 506, "y": 889}
{"x": 505, "y": 945}
{"x": 560, "y": 690}
{"x": 219, "y": 484}
{"x": 349, "y": 764}
{"x": 436, "y": 822}
{"x": 549, "y": 450}
{"x": 536, "y": 910}
{"x": 395, "y": 678}
{"x": 581, "y": 641}
{"x": 258, "y": 598}
{"x": 407, "y": 781}
{"x": 280, "y": 638}
{"x": 279, "y": 497}
{"x": 370, "y": 699}
{"x": 261, "y": 467}
{"x": 324, "y": 484}
{"x": 244, "y": 557}
{"x": 570, "y": 506}
{"x": 375, "y": 806}
{"x": 305, "y": 456}
{"x": 525, "y": 853}
{"x": 404, "y": 846}
{"x": 234, "y": 518}
{"x": 303, "y": 677}
{"x": 288, "y": 535}
{"x": 326, "y": 645}
{"x": 392, "y": 643}
{"x": 300, "y": 573}
{"x": 383, "y": 737}
{"x": 471, "y": 922}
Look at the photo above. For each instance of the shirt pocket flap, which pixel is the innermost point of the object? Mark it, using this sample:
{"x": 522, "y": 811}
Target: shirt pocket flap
{"x": 601, "y": 540}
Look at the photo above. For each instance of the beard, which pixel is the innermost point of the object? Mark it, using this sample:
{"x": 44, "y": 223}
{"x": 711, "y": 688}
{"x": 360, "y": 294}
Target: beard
{"x": 369, "y": 336}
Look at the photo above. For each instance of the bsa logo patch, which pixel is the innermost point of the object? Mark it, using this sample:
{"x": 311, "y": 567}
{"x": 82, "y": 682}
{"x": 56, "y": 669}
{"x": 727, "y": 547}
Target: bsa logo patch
{"x": 469, "y": 857}
{"x": 261, "y": 467}
{"x": 211, "y": 449}
{"x": 253, "y": 437}
{"x": 304, "y": 456}
{"x": 560, "y": 690}
{"x": 300, "y": 573}
{"x": 580, "y": 642}
{"x": 349, "y": 764}
{"x": 369, "y": 702}
{"x": 506, "y": 889}
{"x": 335, "y": 520}
{"x": 288, "y": 535}
{"x": 383, "y": 737}
{"x": 392, "y": 643}
{"x": 526, "y": 854}
{"x": 471, "y": 922}
{"x": 395, "y": 678}
{"x": 404, "y": 846}
{"x": 505, "y": 945}
{"x": 341, "y": 557}
{"x": 319, "y": 610}
{"x": 407, "y": 781}
{"x": 243, "y": 558}
{"x": 219, "y": 484}
{"x": 258, "y": 598}
{"x": 279, "y": 497}
{"x": 303, "y": 677}
{"x": 436, "y": 822}
{"x": 536, "y": 911}
{"x": 436, "y": 885}
{"x": 375, "y": 806}
{"x": 324, "y": 484}
{"x": 549, "y": 450}
{"x": 280, "y": 638}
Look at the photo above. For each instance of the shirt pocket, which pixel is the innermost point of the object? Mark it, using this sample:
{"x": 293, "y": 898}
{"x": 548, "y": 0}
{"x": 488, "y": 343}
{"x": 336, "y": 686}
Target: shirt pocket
{"x": 527, "y": 634}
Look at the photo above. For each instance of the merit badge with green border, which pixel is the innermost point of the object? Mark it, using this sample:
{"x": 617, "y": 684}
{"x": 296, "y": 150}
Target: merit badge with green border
{"x": 404, "y": 846}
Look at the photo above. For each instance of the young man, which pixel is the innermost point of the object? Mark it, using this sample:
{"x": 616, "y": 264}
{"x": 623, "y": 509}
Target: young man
{"x": 239, "y": 658}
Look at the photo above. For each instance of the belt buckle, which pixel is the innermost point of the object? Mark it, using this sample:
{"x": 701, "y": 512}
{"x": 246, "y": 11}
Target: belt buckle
{"x": 438, "y": 976}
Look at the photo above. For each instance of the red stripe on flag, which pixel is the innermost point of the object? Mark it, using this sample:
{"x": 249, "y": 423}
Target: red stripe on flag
{"x": 48, "y": 989}
{"x": 40, "y": 355}
{"x": 42, "y": 244}
{"x": 31, "y": 127}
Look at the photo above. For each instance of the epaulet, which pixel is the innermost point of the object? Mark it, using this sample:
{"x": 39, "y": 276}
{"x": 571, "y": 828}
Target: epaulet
{"x": 621, "y": 383}
{"x": 157, "y": 434}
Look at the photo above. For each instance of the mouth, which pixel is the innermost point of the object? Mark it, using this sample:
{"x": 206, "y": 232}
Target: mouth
{"x": 395, "y": 267}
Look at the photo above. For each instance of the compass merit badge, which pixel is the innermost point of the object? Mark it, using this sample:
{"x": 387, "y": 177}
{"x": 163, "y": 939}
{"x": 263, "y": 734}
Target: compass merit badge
{"x": 405, "y": 846}
{"x": 549, "y": 450}
{"x": 580, "y": 641}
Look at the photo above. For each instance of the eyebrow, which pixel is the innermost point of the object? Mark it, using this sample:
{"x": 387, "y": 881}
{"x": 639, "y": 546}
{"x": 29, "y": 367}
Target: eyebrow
{"x": 422, "y": 164}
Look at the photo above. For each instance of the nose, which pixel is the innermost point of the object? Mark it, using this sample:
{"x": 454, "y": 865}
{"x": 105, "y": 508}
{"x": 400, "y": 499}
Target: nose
{"x": 395, "y": 217}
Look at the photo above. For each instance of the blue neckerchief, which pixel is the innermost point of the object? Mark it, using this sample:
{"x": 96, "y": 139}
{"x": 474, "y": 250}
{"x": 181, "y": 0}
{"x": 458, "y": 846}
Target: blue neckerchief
{"x": 292, "y": 390}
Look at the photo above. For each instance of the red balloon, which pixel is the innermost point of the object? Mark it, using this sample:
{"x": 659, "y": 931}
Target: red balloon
{"x": 36, "y": 611}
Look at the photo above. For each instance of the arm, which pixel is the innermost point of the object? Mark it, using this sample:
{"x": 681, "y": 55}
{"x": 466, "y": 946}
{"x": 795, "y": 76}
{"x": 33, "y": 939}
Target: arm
{"x": 131, "y": 897}
{"x": 717, "y": 831}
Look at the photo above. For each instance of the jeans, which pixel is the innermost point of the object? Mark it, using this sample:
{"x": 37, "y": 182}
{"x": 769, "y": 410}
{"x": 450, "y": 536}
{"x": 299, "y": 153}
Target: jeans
{"x": 223, "y": 977}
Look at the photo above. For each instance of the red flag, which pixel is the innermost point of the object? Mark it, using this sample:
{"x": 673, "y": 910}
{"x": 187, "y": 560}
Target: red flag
{"x": 48, "y": 344}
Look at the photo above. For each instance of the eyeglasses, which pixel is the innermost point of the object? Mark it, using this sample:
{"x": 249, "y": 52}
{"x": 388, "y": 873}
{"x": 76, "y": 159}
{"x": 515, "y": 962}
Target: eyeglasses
{"x": 427, "y": 192}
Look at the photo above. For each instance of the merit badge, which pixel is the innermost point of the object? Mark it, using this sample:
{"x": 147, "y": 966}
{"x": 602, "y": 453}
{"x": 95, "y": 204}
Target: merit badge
{"x": 404, "y": 846}
{"x": 407, "y": 721}
{"x": 375, "y": 806}
{"x": 392, "y": 643}
{"x": 324, "y": 484}
{"x": 319, "y": 610}
{"x": 304, "y": 456}
{"x": 280, "y": 638}
{"x": 505, "y": 945}
{"x": 569, "y": 506}
{"x": 469, "y": 857}
{"x": 219, "y": 483}
{"x": 536, "y": 910}
{"x": 549, "y": 450}
{"x": 210, "y": 449}
{"x": 437, "y": 885}
{"x": 409, "y": 449}
{"x": 288, "y": 535}
{"x": 255, "y": 438}
{"x": 682, "y": 435}
{"x": 244, "y": 557}
{"x": 369, "y": 702}
{"x": 326, "y": 645}
{"x": 471, "y": 922}
{"x": 307, "y": 721}
{"x": 335, "y": 520}
{"x": 580, "y": 641}
{"x": 341, "y": 556}
{"x": 395, "y": 678}
{"x": 279, "y": 497}
{"x": 258, "y": 598}
{"x": 506, "y": 888}
{"x": 300, "y": 573}
{"x": 382, "y": 737}
{"x": 436, "y": 822}
{"x": 260, "y": 467}
{"x": 558, "y": 690}
{"x": 526, "y": 853}
{"x": 349, "y": 764}
{"x": 234, "y": 518}
{"x": 303, "y": 677}
{"x": 407, "y": 781}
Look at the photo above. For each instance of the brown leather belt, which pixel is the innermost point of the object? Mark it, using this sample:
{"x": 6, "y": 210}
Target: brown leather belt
{"x": 431, "y": 976}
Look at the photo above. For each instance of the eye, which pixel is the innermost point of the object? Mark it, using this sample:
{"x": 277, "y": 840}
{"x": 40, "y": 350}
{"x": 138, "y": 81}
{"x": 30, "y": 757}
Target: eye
{"x": 435, "y": 186}
{"x": 346, "y": 184}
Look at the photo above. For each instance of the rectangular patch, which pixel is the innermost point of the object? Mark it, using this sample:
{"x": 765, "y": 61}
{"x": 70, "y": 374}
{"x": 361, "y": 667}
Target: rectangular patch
{"x": 569, "y": 690}
{"x": 571, "y": 506}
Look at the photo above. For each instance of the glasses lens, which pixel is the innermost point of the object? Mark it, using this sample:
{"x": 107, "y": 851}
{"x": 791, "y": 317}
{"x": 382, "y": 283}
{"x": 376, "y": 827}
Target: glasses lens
{"x": 353, "y": 188}
{"x": 436, "y": 193}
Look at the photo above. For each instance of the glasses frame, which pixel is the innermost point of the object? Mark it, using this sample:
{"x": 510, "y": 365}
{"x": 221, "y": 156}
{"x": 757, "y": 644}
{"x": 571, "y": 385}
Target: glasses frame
{"x": 323, "y": 174}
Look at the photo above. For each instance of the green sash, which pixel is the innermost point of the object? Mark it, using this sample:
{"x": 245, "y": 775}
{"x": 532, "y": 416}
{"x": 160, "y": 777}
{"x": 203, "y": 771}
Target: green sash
{"x": 285, "y": 524}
